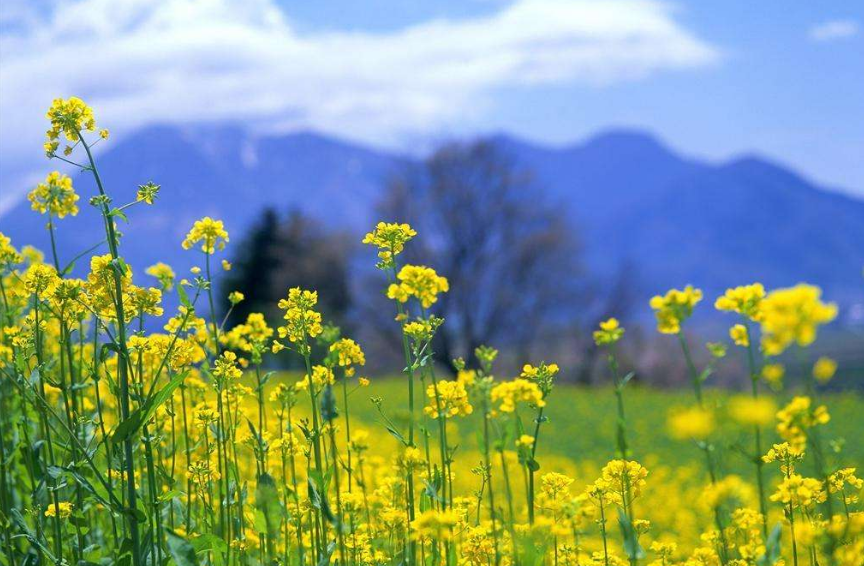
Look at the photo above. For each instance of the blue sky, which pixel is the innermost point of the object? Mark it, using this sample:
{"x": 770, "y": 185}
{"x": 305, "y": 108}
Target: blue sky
{"x": 713, "y": 78}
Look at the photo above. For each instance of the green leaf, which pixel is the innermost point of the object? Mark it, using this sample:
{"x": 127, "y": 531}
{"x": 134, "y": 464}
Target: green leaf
{"x": 268, "y": 503}
{"x": 142, "y": 414}
{"x": 772, "y": 547}
{"x": 118, "y": 213}
{"x": 627, "y": 378}
{"x": 319, "y": 501}
{"x": 184, "y": 298}
{"x": 397, "y": 435}
{"x": 207, "y": 542}
{"x": 328, "y": 552}
{"x": 631, "y": 541}
{"x": 181, "y": 551}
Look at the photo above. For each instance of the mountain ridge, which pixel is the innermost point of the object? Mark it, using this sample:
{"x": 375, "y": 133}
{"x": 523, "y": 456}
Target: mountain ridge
{"x": 633, "y": 199}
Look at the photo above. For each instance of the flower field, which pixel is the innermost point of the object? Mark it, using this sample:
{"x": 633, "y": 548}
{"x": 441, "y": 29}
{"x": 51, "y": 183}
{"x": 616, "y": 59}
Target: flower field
{"x": 124, "y": 446}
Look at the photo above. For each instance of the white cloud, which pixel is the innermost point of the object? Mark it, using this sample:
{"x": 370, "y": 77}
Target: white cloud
{"x": 139, "y": 62}
{"x": 836, "y": 29}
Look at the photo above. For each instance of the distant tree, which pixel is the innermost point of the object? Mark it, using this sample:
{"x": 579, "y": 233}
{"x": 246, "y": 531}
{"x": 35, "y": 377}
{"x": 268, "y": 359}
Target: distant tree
{"x": 510, "y": 256}
{"x": 278, "y": 254}
{"x": 253, "y": 268}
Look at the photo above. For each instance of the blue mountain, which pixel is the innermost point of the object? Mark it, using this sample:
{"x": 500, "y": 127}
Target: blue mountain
{"x": 673, "y": 219}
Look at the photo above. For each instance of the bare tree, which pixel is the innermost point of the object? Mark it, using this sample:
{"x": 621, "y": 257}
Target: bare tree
{"x": 511, "y": 257}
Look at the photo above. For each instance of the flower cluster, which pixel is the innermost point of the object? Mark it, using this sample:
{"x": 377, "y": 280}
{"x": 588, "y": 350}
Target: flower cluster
{"x": 745, "y": 300}
{"x": 390, "y": 239}
{"x": 447, "y": 398}
{"x": 69, "y": 117}
{"x": 301, "y": 319}
{"x": 793, "y": 316}
{"x": 510, "y": 393}
{"x": 796, "y": 418}
{"x": 674, "y": 307}
{"x": 419, "y": 282}
{"x": 54, "y": 196}
{"x": 610, "y": 332}
{"x": 211, "y": 233}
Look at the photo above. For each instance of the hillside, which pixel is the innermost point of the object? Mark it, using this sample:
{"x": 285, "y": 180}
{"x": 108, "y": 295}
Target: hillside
{"x": 676, "y": 220}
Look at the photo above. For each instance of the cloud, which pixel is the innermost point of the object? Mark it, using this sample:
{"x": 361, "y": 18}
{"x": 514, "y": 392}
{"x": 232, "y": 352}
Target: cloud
{"x": 140, "y": 62}
{"x": 836, "y": 29}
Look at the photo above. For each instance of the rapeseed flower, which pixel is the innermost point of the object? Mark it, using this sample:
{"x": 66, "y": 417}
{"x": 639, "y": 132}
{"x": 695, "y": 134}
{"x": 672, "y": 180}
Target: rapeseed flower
{"x": 54, "y": 196}
{"x": 447, "y": 398}
{"x": 691, "y": 423}
{"x": 793, "y": 316}
{"x": 610, "y": 332}
{"x": 419, "y": 282}
{"x": 745, "y": 300}
{"x": 824, "y": 369}
{"x": 390, "y": 239}
{"x": 64, "y": 512}
{"x": 69, "y": 117}
{"x": 211, "y": 233}
{"x": 674, "y": 307}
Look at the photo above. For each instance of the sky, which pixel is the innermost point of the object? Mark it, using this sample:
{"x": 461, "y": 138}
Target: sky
{"x": 714, "y": 79}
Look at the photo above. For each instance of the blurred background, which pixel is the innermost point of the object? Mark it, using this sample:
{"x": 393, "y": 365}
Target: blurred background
{"x": 563, "y": 161}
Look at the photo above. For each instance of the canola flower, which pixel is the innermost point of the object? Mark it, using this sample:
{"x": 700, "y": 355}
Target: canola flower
{"x": 122, "y": 445}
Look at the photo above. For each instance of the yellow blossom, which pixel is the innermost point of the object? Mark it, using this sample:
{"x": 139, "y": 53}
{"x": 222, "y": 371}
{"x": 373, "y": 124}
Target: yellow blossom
{"x": 54, "y": 196}
{"x": 674, "y": 307}
{"x": 824, "y": 369}
{"x": 211, "y": 233}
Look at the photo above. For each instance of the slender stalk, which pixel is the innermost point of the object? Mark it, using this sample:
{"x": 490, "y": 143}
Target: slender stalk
{"x": 122, "y": 358}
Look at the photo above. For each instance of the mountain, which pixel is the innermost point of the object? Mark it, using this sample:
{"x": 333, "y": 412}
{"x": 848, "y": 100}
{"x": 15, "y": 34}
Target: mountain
{"x": 673, "y": 220}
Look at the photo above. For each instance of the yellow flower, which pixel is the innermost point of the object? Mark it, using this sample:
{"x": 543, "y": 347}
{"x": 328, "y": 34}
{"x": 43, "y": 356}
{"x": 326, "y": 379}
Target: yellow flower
{"x": 348, "y": 353}
{"x": 510, "y": 393}
{"x": 783, "y": 452}
{"x": 163, "y": 273}
{"x": 301, "y": 319}
{"x": 554, "y": 485}
{"x": 226, "y": 265}
{"x": 390, "y": 239}
{"x": 824, "y": 369}
{"x": 147, "y": 193}
{"x": 728, "y": 490}
{"x": 211, "y": 233}
{"x": 235, "y": 297}
{"x": 793, "y": 315}
{"x": 799, "y": 492}
{"x": 8, "y": 254}
{"x": 746, "y": 300}
{"x": 610, "y": 332}
{"x": 739, "y": 335}
{"x": 674, "y": 307}
{"x": 419, "y": 282}
{"x": 40, "y": 279}
{"x": 55, "y": 196}
{"x": 65, "y": 510}
{"x": 796, "y": 418}
{"x": 690, "y": 423}
{"x": 434, "y": 524}
{"x": 773, "y": 374}
{"x": 226, "y": 367}
{"x": 752, "y": 411}
{"x": 69, "y": 117}
{"x": 623, "y": 478}
{"x": 525, "y": 441}
{"x": 447, "y": 398}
